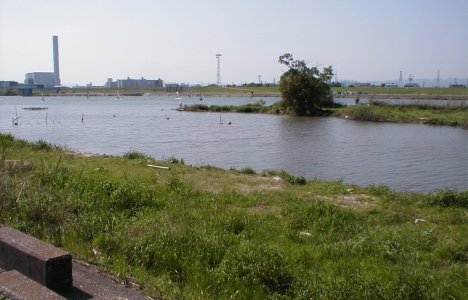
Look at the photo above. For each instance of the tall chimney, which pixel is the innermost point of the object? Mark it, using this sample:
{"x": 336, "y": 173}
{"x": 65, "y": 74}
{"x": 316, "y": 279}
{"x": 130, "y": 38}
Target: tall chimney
{"x": 56, "y": 60}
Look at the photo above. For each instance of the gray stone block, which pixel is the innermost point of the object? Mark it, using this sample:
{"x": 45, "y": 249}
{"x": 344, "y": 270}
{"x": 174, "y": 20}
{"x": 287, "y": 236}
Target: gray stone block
{"x": 41, "y": 262}
{"x": 16, "y": 286}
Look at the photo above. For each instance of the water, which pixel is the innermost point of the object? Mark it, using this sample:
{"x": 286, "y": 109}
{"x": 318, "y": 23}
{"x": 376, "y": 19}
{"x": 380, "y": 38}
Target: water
{"x": 407, "y": 157}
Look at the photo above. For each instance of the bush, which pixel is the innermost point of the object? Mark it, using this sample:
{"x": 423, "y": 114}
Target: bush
{"x": 248, "y": 171}
{"x": 174, "y": 160}
{"x": 447, "y": 198}
{"x": 299, "y": 180}
{"x": 382, "y": 191}
{"x": 135, "y": 155}
{"x": 42, "y": 145}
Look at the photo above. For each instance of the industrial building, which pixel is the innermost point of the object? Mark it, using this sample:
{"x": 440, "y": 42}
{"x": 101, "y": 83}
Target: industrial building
{"x": 47, "y": 79}
{"x": 8, "y": 84}
{"x": 134, "y": 83}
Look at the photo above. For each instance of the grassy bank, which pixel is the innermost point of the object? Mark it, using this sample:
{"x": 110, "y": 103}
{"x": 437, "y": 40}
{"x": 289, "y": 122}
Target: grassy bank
{"x": 207, "y": 233}
{"x": 379, "y": 112}
{"x": 426, "y": 91}
{"x": 258, "y": 107}
{"x": 263, "y": 91}
{"x": 433, "y": 115}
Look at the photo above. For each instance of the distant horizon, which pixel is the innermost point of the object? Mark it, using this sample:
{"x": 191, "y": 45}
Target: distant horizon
{"x": 423, "y": 82}
{"x": 428, "y": 82}
{"x": 364, "y": 41}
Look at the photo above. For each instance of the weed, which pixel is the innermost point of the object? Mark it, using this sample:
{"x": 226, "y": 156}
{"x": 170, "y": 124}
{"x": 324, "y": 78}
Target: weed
{"x": 294, "y": 180}
{"x": 42, "y": 145}
{"x": 212, "y": 168}
{"x": 174, "y": 160}
{"x": 248, "y": 171}
{"x": 300, "y": 180}
{"x": 136, "y": 155}
{"x": 447, "y": 198}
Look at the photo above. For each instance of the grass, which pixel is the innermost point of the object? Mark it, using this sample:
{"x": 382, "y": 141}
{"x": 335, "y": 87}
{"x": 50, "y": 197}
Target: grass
{"x": 258, "y": 107}
{"x": 433, "y": 115}
{"x": 426, "y": 91}
{"x": 209, "y": 233}
{"x": 379, "y": 112}
{"x": 264, "y": 91}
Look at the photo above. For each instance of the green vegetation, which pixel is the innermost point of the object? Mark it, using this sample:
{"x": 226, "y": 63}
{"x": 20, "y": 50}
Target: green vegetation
{"x": 8, "y": 92}
{"x": 258, "y": 107}
{"x": 258, "y": 90}
{"x": 135, "y": 155}
{"x": 379, "y": 112}
{"x": 304, "y": 90}
{"x": 208, "y": 233}
{"x": 426, "y": 91}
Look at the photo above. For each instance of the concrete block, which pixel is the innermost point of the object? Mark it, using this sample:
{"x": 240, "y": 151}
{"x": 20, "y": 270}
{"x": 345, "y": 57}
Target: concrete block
{"x": 41, "y": 262}
{"x": 16, "y": 286}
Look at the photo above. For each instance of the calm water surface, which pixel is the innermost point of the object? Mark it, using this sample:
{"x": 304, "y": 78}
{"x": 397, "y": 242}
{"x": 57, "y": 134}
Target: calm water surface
{"x": 403, "y": 156}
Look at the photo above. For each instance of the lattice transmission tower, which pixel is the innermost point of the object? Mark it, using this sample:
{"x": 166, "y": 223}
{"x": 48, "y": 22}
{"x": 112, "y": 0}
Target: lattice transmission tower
{"x": 218, "y": 75}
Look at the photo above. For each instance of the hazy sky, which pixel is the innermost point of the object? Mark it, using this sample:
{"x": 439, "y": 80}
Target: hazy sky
{"x": 177, "y": 40}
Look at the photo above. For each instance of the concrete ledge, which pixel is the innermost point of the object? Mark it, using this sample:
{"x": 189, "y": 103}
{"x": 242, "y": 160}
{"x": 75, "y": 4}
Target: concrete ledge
{"x": 16, "y": 286}
{"x": 41, "y": 262}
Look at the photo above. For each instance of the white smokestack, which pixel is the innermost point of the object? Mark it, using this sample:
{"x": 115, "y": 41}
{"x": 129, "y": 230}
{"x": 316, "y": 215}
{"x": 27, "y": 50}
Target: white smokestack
{"x": 56, "y": 60}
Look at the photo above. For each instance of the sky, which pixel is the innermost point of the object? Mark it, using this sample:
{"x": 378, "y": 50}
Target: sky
{"x": 177, "y": 41}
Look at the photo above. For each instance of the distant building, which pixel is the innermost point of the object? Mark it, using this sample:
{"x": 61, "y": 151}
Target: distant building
{"x": 136, "y": 83}
{"x": 362, "y": 84}
{"x": 8, "y": 84}
{"x": 47, "y": 79}
{"x": 175, "y": 87}
{"x": 111, "y": 84}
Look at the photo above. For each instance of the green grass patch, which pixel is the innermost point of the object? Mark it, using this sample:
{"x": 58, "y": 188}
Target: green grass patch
{"x": 258, "y": 107}
{"x": 208, "y": 233}
{"x": 136, "y": 155}
{"x": 426, "y": 91}
{"x": 433, "y": 115}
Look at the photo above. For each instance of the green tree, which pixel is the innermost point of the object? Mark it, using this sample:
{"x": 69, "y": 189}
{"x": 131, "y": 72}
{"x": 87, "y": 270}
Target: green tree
{"x": 304, "y": 90}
